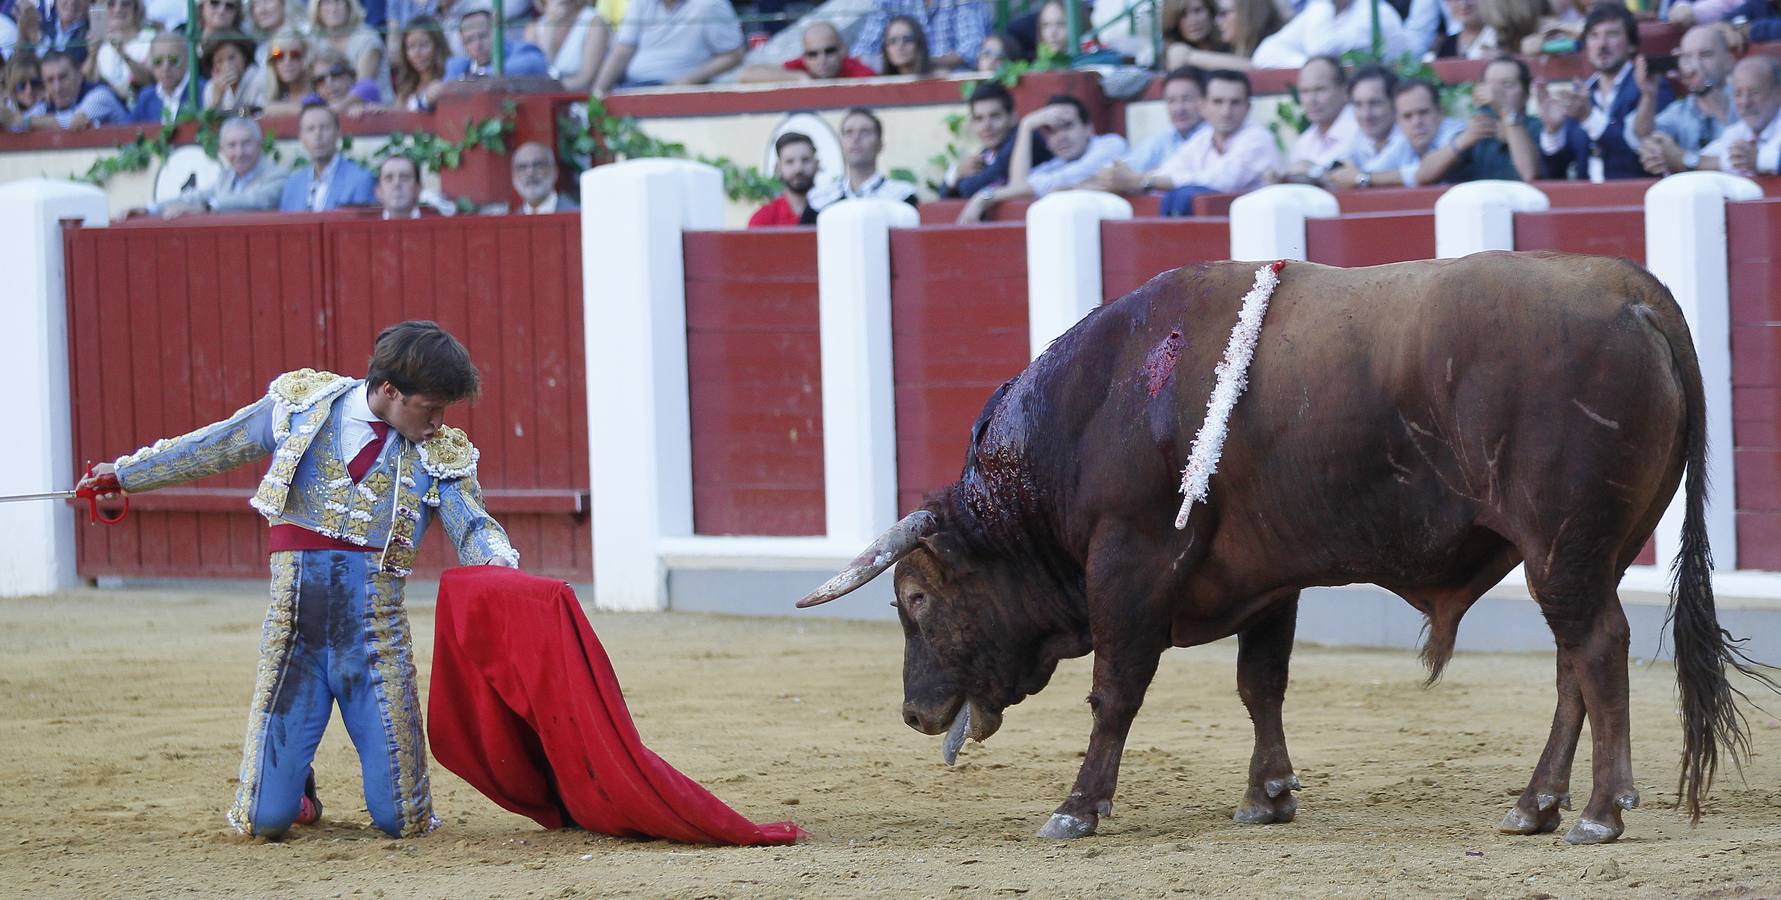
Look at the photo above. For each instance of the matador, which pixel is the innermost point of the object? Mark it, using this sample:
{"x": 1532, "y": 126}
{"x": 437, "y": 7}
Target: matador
{"x": 360, "y": 468}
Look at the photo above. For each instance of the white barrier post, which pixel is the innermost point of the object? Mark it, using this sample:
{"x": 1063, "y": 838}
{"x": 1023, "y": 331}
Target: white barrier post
{"x": 1269, "y": 223}
{"x": 1685, "y": 247}
{"x": 38, "y": 554}
{"x": 634, "y": 315}
{"x": 1064, "y": 260}
{"x": 859, "y": 414}
{"x": 1480, "y": 215}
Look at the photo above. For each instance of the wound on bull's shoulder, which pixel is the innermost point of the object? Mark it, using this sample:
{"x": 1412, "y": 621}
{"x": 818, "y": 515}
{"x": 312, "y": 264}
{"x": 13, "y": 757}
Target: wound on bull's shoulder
{"x": 1159, "y": 363}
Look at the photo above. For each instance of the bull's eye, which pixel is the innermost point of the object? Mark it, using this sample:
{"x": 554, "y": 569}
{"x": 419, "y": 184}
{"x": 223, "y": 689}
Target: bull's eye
{"x": 912, "y": 603}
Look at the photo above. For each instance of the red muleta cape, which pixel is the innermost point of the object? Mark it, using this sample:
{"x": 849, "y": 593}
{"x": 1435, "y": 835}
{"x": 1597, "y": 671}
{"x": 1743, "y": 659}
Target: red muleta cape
{"x": 525, "y": 707}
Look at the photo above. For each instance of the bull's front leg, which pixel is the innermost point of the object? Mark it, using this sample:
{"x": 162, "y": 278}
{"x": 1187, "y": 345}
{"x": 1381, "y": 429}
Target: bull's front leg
{"x": 1263, "y": 652}
{"x": 1123, "y": 670}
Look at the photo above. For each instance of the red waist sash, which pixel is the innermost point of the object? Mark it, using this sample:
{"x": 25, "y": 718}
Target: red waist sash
{"x": 296, "y": 537}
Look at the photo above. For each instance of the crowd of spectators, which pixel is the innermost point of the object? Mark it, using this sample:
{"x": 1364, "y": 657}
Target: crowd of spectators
{"x": 68, "y": 67}
{"x": 1362, "y": 127}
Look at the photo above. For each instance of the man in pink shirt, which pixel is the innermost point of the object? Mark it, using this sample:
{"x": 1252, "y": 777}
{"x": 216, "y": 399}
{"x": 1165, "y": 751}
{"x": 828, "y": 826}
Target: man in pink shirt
{"x": 1232, "y": 156}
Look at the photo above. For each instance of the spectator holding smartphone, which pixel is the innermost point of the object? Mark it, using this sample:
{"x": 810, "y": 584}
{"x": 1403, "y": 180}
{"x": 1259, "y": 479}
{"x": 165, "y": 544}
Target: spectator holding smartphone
{"x": 1672, "y": 140}
{"x": 1499, "y": 141}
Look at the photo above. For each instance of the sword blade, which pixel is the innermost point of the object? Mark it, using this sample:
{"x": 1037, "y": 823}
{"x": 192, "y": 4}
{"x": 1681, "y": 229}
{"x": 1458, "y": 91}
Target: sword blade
{"x": 49, "y": 495}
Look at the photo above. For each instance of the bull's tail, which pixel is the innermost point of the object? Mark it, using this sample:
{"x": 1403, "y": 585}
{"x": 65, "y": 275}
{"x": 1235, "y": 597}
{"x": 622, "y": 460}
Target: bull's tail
{"x": 1711, "y": 721}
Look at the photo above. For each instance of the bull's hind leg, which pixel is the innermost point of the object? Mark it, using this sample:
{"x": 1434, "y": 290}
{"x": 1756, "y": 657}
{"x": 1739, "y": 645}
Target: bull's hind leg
{"x": 1550, "y": 788}
{"x": 1592, "y": 636}
{"x": 1263, "y": 651}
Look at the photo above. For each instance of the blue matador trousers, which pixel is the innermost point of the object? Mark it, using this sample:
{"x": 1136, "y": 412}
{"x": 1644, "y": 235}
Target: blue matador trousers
{"x": 336, "y": 632}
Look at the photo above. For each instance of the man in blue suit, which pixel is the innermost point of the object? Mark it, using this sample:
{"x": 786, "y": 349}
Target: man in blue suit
{"x": 1584, "y": 131}
{"x": 476, "y": 30}
{"x": 162, "y": 102}
{"x": 330, "y": 181}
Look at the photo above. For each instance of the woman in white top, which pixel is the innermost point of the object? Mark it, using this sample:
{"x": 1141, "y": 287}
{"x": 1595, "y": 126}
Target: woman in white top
{"x": 340, "y": 24}
{"x": 235, "y": 84}
{"x": 122, "y": 60}
{"x": 574, "y": 38}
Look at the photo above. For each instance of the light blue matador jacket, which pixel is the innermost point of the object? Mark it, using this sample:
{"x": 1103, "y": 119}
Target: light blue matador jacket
{"x": 314, "y": 491}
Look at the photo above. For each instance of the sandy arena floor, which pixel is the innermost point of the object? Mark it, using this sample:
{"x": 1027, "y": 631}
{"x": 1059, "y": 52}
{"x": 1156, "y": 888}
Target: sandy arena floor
{"x": 121, "y": 716}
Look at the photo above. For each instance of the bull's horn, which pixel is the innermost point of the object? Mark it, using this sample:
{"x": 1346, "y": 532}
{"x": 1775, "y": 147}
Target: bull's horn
{"x": 894, "y": 544}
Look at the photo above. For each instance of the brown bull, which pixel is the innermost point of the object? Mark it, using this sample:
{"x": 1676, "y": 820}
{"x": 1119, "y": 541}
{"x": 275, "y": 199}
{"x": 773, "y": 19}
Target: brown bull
{"x": 1423, "y": 426}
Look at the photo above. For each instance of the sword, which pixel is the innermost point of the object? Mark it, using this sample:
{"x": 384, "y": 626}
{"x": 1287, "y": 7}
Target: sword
{"x": 91, "y": 495}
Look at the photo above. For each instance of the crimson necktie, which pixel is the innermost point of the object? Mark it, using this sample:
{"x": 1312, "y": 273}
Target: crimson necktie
{"x": 368, "y": 457}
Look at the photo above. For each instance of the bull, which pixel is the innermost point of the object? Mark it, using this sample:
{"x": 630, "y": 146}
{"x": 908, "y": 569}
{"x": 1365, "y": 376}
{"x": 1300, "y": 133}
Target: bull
{"x": 1423, "y": 426}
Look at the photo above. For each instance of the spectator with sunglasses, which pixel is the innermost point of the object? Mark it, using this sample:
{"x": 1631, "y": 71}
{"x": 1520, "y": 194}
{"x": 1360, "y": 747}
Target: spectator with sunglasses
{"x": 953, "y": 29}
{"x": 162, "y": 103}
{"x": 24, "y": 87}
{"x": 288, "y": 80}
{"x": 218, "y": 17}
{"x": 824, "y": 57}
{"x": 69, "y": 102}
{"x": 333, "y": 79}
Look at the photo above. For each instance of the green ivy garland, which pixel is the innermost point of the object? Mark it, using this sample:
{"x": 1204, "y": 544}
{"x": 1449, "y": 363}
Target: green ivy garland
{"x": 427, "y": 149}
{"x": 606, "y": 137}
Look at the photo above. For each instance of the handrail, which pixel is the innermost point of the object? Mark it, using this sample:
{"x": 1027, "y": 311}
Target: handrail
{"x": 1130, "y": 14}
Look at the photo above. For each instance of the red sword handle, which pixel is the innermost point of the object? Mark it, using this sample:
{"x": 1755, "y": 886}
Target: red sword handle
{"x": 105, "y": 484}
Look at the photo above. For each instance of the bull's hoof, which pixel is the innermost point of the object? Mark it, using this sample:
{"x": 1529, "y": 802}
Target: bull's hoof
{"x": 1065, "y": 827}
{"x": 1543, "y": 820}
{"x": 1271, "y": 803}
{"x": 1518, "y": 822}
{"x": 1589, "y": 831}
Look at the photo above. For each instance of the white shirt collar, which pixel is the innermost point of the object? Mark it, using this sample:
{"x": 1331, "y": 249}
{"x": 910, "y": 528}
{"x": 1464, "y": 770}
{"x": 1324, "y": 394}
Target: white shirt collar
{"x": 548, "y": 206}
{"x": 358, "y": 405}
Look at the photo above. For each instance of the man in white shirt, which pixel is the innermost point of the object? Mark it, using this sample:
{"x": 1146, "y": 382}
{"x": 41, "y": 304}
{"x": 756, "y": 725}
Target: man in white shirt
{"x": 862, "y": 140}
{"x": 1184, "y": 90}
{"x": 1231, "y": 155}
{"x": 1753, "y": 145}
{"x": 1377, "y": 138}
{"x": 1583, "y": 132}
{"x": 1326, "y": 28}
{"x": 1330, "y": 128}
{"x": 1077, "y": 153}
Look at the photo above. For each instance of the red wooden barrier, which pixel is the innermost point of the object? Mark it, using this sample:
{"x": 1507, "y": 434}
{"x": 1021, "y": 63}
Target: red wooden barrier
{"x": 1755, "y": 236}
{"x": 1370, "y": 239}
{"x": 172, "y": 327}
{"x": 1136, "y": 250}
{"x": 958, "y": 330}
{"x": 754, "y": 362}
{"x": 1611, "y": 231}
{"x": 946, "y": 212}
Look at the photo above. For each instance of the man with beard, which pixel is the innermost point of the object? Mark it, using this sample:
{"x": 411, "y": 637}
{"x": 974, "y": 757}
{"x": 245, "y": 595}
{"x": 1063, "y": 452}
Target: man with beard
{"x": 795, "y": 165}
{"x": 1672, "y": 140}
{"x": 1584, "y": 133}
{"x": 992, "y": 121}
{"x": 535, "y": 181}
